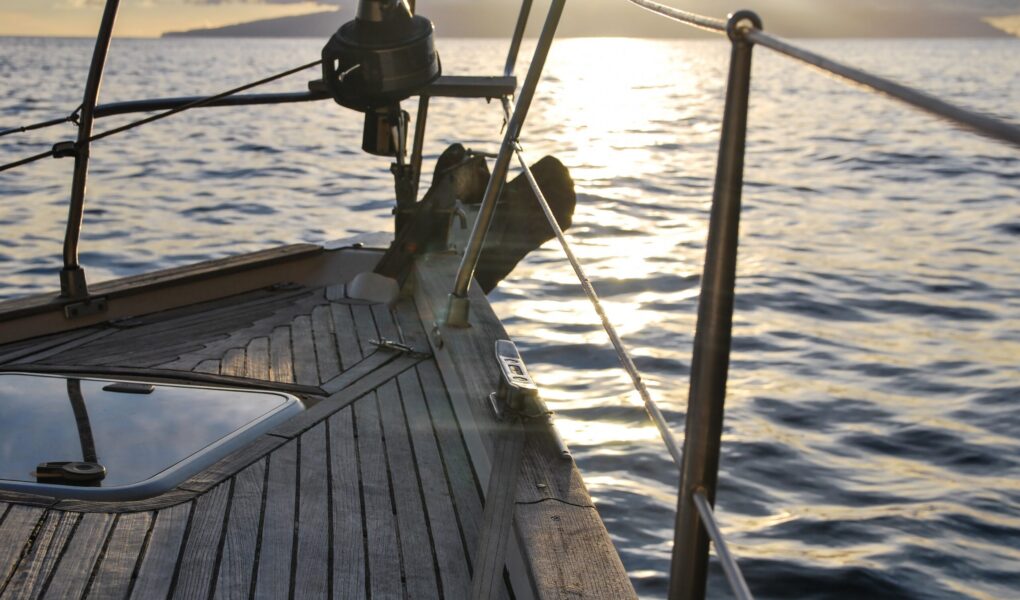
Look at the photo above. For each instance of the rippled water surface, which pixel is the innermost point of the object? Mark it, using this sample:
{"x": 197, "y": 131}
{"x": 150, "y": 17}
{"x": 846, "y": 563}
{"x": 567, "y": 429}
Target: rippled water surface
{"x": 870, "y": 446}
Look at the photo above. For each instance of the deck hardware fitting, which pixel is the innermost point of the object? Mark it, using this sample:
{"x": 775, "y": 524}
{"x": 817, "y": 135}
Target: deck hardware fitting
{"x": 86, "y": 308}
{"x": 385, "y": 344}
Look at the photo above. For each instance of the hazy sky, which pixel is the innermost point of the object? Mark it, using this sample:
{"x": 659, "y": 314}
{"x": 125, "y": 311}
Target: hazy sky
{"x": 153, "y": 17}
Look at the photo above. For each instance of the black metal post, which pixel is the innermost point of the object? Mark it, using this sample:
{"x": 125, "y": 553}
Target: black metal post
{"x": 458, "y": 306}
{"x": 712, "y": 338}
{"x": 72, "y": 276}
{"x": 421, "y": 122}
{"x": 515, "y": 41}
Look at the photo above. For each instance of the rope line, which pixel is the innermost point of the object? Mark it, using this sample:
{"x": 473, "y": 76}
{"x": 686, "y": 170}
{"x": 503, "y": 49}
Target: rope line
{"x": 699, "y": 21}
{"x": 981, "y": 124}
{"x": 621, "y": 351}
{"x": 156, "y": 117}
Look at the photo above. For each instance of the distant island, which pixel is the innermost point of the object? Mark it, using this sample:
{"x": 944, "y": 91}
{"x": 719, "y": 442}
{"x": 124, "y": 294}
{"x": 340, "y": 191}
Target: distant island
{"x": 496, "y": 19}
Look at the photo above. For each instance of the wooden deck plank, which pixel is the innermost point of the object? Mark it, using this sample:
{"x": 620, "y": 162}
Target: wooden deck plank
{"x": 381, "y": 527}
{"x": 568, "y": 551}
{"x": 382, "y": 543}
{"x": 281, "y": 363}
{"x": 326, "y": 355}
{"x": 346, "y": 338}
{"x": 312, "y": 565}
{"x": 113, "y": 577}
{"x": 237, "y": 560}
{"x": 463, "y": 481}
{"x": 81, "y": 555}
{"x": 357, "y": 371}
{"x": 462, "y": 357}
{"x": 415, "y": 537}
{"x": 34, "y": 569}
{"x": 156, "y": 574}
{"x": 344, "y": 397}
{"x": 276, "y": 550}
{"x": 448, "y": 542}
{"x": 348, "y": 534}
{"x": 303, "y": 348}
{"x": 62, "y": 343}
{"x": 464, "y": 484}
{"x": 198, "y": 563}
{"x": 256, "y": 359}
{"x": 364, "y": 327}
{"x": 208, "y": 366}
{"x": 16, "y": 532}
{"x": 170, "y": 498}
{"x": 233, "y": 362}
{"x": 233, "y": 463}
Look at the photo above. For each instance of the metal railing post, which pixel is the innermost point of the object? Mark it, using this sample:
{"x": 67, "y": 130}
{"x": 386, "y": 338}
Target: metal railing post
{"x": 515, "y": 41}
{"x": 72, "y": 276}
{"x": 710, "y": 364}
{"x": 458, "y": 306}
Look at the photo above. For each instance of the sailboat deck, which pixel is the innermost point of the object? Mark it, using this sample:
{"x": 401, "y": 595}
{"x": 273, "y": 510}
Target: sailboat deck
{"x": 377, "y": 499}
{"x": 374, "y": 491}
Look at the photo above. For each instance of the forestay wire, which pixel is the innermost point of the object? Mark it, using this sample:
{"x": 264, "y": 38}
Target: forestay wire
{"x": 150, "y": 119}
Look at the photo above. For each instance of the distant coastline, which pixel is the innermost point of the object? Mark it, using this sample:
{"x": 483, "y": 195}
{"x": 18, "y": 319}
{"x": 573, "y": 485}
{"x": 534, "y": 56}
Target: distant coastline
{"x": 496, "y": 20}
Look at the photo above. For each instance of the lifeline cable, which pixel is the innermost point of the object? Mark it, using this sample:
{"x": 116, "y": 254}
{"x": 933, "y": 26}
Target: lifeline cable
{"x": 171, "y": 112}
{"x": 71, "y": 118}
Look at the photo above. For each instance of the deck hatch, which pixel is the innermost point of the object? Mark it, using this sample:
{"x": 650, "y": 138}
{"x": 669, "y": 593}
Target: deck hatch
{"x": 148, "y": 437}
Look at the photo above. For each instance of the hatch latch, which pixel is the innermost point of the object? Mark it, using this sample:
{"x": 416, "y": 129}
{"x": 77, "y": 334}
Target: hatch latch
{"x": 70, "y": 473}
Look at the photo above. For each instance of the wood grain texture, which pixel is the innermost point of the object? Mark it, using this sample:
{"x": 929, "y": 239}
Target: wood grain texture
{"x": 415, "y": 538}
{"x": 113, "y": 575}
{"x": 256, "y": 359}
{"x": 312, "y": 566}
{"x": 210, "y": 366}
{"x": 327, "y": 359}
{"x": 233, "y": 363}
{"x": 16, "y": 532}
{"x": 497, "y": 520}
{"x": 281, "y": 362}
{"x": 380, "y": 524}
{"x": 232, "y": 464}
{"x": 240, "y": 543}
{"x": 448, "y": 543}
{"x": 345, "y": 397}
{"x": 198, "y": 562}
{"x": 303, "y": 348}
{"x": 346, "y": 337}
{"x": 348, "y": 533}
{"x": 159, "y": 564}
{"x": 171, "y": 498}
{"x": 568, "y": 554}
{"x": 464, "y": 485}
{"x": 465, "y": 357}
{"x": 276, "y": 550}
{"x": 34, "y": 570}
{"x": 80, "y": 556}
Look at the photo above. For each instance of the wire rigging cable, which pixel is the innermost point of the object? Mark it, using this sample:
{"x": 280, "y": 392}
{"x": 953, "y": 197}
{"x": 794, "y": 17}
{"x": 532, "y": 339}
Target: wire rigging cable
{"x": 156, "y": 117}
{"x": 71, "y": 118}
{"x": 982, "y": 124}
{"x": 625, "y": 360}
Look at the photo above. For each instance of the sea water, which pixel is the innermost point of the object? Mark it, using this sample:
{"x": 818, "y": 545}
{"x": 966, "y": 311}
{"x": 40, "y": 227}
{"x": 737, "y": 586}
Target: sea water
{"x": 870, "y": 446}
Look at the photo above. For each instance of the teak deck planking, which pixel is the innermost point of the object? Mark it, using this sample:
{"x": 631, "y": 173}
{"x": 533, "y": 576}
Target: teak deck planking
{"x": 376, "y": 491}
